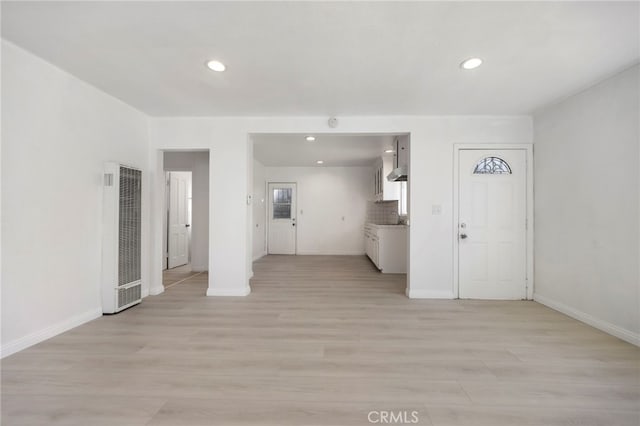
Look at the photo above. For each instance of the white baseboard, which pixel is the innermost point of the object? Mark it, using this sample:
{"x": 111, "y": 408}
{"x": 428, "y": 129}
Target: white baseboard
{"x": 48, "y": 332}
{"x": 145, "y": 292}
{"x": 228, "y": 291}
{"x": 427, "y": 294}
{"x": 259, "y": 256}
{"x": 330, "y": 253}
{"x": 154, "y": 291}
{"x": 607, "y": 327}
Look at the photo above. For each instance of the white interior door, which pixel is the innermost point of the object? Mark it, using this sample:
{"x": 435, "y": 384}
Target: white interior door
{"x": 492, "y": 234}
{"x": 282, "y": 218}
{"x": 179, "y": 218}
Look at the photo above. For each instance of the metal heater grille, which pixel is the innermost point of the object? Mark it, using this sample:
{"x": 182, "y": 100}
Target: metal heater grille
{"x": 129, "y": 247}
{"x": 128, "y": 295}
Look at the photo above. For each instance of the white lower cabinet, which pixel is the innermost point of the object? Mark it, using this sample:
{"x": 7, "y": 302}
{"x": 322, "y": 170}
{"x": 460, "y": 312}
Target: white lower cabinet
{"x": 386, "y": 246}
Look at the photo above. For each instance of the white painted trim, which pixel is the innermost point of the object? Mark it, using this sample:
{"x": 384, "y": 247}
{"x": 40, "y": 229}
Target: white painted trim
{"x": 528, "y": 148}
{"x": 48, "y": 332}
{"x": 145, "y": 292}
{"x": 154, "y": 291}
{"x": 428, "y": 294}
{"x": 607, "y": 327}
{"x": 330, "y": 253}
{"x": 259, "y": 256}
{"x": 198, "y": 268}
{"x": 228, "y": 291}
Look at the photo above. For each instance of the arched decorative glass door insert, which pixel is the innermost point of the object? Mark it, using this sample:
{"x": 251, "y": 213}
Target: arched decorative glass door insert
{"x": 492, "y": 166}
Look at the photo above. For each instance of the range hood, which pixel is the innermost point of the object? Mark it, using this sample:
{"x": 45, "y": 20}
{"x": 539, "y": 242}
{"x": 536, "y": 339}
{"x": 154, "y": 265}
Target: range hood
{"x": 399, "y": 174}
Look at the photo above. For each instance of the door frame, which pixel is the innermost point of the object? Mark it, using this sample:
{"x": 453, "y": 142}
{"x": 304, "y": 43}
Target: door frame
{"x": 528, "y": 149}
{"x": 268, "y": 218}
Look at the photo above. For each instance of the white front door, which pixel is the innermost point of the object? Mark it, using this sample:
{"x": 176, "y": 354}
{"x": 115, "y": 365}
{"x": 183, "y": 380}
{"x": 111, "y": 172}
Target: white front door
{"x": 179, "y": 221}
{"x": 492, "y": 234}
{"x": 282, "y": 218}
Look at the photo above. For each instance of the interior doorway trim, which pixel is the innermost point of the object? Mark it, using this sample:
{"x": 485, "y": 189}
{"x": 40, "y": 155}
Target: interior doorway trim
{"x": 528, "y": 149}
{"x": 157, "y": 211}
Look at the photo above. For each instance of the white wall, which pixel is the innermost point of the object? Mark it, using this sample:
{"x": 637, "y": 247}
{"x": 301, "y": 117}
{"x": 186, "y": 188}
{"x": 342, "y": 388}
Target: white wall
{"x": 259, "y": 210}
{"x": 198, "y": 164}
{"x": 57, "y": 132}
{"x": 332, "y": 207}
{"x": 587, "y": 217}
{"x": 229, "y": 252}
{"x": 431, "y": 176}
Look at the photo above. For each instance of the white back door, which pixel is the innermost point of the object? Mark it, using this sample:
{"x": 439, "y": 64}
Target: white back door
{"x": 179, "y": 195}
{"x": 282, "y": 218}
{"x": 492, "y": 229}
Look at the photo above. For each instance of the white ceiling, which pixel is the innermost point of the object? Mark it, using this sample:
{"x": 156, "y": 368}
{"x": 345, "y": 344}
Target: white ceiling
{"x": 331, "y": 58}
{"x": 288, "y": 150}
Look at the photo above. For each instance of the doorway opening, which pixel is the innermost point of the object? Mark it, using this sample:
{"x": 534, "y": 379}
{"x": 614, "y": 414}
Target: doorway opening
{"x": 185, "y": 227}
{"x": 323, "y": 198}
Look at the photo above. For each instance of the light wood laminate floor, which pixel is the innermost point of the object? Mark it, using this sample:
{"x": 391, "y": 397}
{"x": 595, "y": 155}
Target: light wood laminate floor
{"x": 173, "y": 276}
{"x": 324, "y": 340}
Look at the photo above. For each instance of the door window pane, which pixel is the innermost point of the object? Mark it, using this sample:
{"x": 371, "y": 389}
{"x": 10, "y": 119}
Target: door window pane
{"x": 282, "y": 203}
{"x": 281, "y": 211}
{"x": 492, "y": 166}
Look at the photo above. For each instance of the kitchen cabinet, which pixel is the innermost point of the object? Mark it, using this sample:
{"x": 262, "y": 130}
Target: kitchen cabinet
{"x": 386, "y": 246}
{"x": 384, "y": 190}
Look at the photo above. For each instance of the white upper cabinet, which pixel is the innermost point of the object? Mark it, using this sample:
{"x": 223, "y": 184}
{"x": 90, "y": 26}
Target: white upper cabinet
{"x": 384, "y": 190}
{"x": 402, "y": 150}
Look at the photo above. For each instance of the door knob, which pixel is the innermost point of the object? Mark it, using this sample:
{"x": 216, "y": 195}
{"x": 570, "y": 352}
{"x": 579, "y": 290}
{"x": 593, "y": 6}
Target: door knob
{"x": 187, "y": 225}
{"x": 463, "y": 226}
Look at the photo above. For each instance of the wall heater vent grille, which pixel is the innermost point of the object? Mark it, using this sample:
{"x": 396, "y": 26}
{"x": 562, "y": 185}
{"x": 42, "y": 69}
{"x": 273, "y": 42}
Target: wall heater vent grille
{"x": 121, "y": 254}
{"x": 129, "y": 226}
{"x": 126, "y": 296}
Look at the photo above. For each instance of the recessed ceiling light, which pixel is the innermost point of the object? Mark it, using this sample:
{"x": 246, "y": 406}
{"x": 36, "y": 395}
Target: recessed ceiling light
{"x": 310, "y": 138}
{"x": 388, "y": 151}
{"x": 216, "y": 66}
{"x": 471, "y": 63}
{"x": 319, "y": 162}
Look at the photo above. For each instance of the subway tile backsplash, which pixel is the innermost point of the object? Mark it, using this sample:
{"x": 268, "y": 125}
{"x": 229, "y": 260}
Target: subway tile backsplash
{"x": 382, "y": 212}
